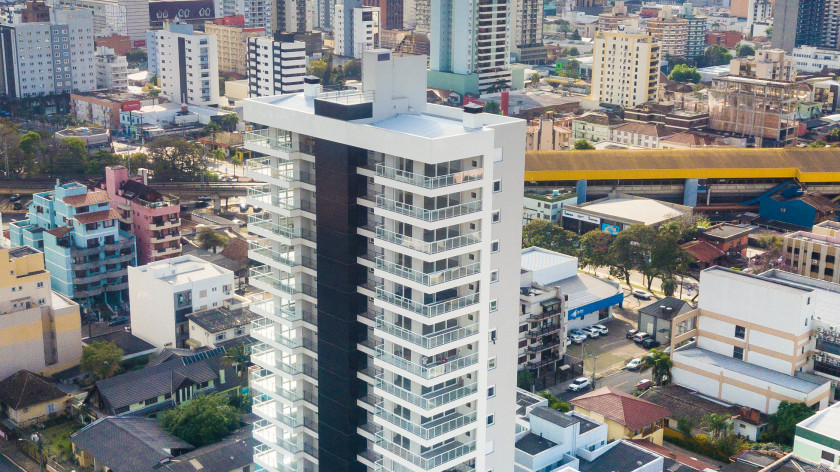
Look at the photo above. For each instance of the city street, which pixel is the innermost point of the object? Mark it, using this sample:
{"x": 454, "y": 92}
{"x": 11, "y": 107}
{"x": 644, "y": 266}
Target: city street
{"x": 7, "y": 465}
{"x": 689, "y": 290}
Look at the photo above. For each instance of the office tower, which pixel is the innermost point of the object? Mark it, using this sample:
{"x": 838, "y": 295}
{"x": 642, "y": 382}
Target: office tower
{"x": 254, "y": 13}
{"x": 423, "y": 16}
{"x": 186, "y": 63}
{"x": 390, "y": 12}
{"x": 805, "y": 23}
{"x": 469, "y": 42}
{"x": 390, "y": 254}
{"x": 670, "y": 31}
{"x": 695, "y": 42}
{"x": 625, "y": 69}
{"x": 40, "y": 330}
{"x": 48, "y": 57}
{"x": 275, "y": 65}
{"x": 360, "y": 33}
{"x": 527, "y": 40}
{"x": 232, "y": 42}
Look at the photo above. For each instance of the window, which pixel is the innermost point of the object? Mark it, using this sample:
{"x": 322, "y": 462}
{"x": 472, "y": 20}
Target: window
{"x": 497, "y": 186}
{"x": 494, "y": 276}
{"x": 221, "y": 336}
{"x": 490, "y": 447}
{"x": 494, "y": 305}
{"x": 151, "y": 401}
{"x": 494, "y": 246}
{"x": 496, "y": 216}
{"x": 40, "y": 284}
{"x": 491, "y": 420}
{"x": 491, "y": 363}
{"x": 493, "y": 335}
{"x": 738, "y": 352}
{"x": 827, "y": 456}
{"x": 52, "y": 408}
{"x": 491, "y": 391}
{"x": 740, "y": 332}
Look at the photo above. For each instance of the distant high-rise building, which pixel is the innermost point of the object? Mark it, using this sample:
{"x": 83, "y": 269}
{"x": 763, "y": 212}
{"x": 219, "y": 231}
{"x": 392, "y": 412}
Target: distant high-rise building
{"x": 527, "y": 38}
{"x": 185, "y": 77}
{"x": 390, "y": 12}
{"x": 618, "y": 17}
{"x": 695, "y": 41}
{"x": 289, "y": 16}
{"x": 670, "y": 31}
{"x": 805, "y": 23}
{"x": 625, "y": 68}
{"x": 232, "y": 42}
{"x": 423, "y": 16}
{"x": 111, "y": 69}
{"x": 355, "y": 30}
{"x": 255, "y": 13}
{"x": 124, "y": 17}
{"x": 275, "y": 65}
{"x": 469, "y": 45}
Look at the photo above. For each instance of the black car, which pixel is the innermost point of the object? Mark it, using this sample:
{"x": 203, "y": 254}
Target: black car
{"x": 650, "y": 343}
{"x": 18, "y": 205}
{"x": 15, "y": 197}
{"x": 118, "y": 320}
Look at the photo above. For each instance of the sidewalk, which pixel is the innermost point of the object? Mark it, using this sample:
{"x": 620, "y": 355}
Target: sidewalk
{"x": 689, "y": 290}
{"x": 8, "y": 449}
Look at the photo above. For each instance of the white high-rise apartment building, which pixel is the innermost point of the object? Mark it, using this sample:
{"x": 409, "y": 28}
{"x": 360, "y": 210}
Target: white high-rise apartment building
{"x": 111, "y": 69}
{"x": 186, "y": 62}
{"x": 275, "y": 65}
{"x": 256, "y": 12}
{"x": 360, "y": 33}
{"x": 386, "y": 339}
{"x": 124, "y": 17}
{"x": 625, "y": 68}
{"x": 42, "y": 58}
{"x": 471, "y": 37}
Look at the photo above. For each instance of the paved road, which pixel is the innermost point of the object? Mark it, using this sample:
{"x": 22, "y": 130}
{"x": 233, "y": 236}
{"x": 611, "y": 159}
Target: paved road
{"x": 623, "y": 380}
{"x": 7, "y": 465}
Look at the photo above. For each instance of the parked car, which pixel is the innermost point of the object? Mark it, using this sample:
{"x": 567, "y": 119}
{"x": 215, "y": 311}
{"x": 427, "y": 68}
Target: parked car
{"x": 577, "y": 338}
{"x": 118, "y": 320}
{"x": 578, "y": 384}
{"x": 641, "y": 294}
{"x": 634, "y": 364}
{"x": 578, "y": 331}
{"x": 591, "y": 332}
{"x": 257, "y": 209}
{"x": 650, "y": 343}
{"x": 205, "y": 198}
{"x": 644, "y": 384}
{"x": 18, "y": 205}
{"x": 603, "y": 330}
{"x": 631, "y": 333}
{"x": 15, "y": 197}
{"x": 640, "y": 336}
{"x": 568, "y": 341}
{"x": 243, "y": 208}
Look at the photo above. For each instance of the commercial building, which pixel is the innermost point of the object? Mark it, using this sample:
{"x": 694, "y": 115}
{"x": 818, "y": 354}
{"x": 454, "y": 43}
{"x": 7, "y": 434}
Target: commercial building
{"x": 618, "y": 212}
{"x": 655, "y": 319}
{"x": 670, "y": 31}
{"x": 667, "y": 114}
{"x": 164, "y": 292}
{"x": 67, "y": 65}
{"x": 626, "y": 416}
{"x": 625, "y": 69}
{"x": 817, "y": 438}
{"x": 186, "y": 63}
{"x": 469, "y": 47}
{"x": 275, "y": 65}
{"x": 387, "y": 303}
{"x": 94, "y": 137}
{"x": 812, "y": 253}
{"x": 815, "y": 59}
{"x": 549, "y": 207}
{"x": 40, "y": 330}
{"x": 111, "y": 70}
{"x": 103, "y": 107}
{"x": 85, "y": 252}
{"x": 356, "y": 29}
{"x": 754, "y": 342}
{"x": 152, "y": 217}
{"x": 232, "y": 38}
{"x": 527, "y": 34}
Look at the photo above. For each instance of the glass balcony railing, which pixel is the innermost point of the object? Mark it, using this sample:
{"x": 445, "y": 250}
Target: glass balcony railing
{"x": 261, "y": 248}
{"x": 264, "y": 223}
{"x": 263, "y": 277}
{"x": 267, "y": 459}
{"x": 430, "y": 400}
{"x": 431, "y": 369}
{"x": 429, "y": 459}
{"x": 428, "y": 341}
{"x": 283, "y": 170}
{"x": 432, "y": 278}
{"x": 428, "y": 310}
{"x": 419, "y": 180}
{"x": 265, "y": 407}
{"x": 432, "y": 429}
{"x": 263, "y": 138}
{"x": 267, "y": 433}
{"x": 267, "y": 357}
{"x": 427, "y": 247}
{"x": 266, "y": 330}
{"x": 425, "y": 214}
{"x": 286, "y": 311}
{"x": 285, "y": 200}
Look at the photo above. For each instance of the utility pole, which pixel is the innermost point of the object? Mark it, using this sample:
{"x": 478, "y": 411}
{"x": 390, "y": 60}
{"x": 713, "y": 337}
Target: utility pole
{"x": 594, "y": 363}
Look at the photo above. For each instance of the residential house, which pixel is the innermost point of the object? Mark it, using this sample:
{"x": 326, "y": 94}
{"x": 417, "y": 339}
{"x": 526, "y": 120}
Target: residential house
{"x": 221, "y": 327}
{"x": 818, "y": 438}
{"x": 730, "y": 238}
{"x": 132, "y": 346}
{"x": 655, "y": 318}
{"x": 594, "y": 127}
{"x": 646, "y": 135}
{"x": 626, "y": 416}
{"x": 704, "y": 254}
{"x": 27, "y": 398}
{"x": 548, "y": 134}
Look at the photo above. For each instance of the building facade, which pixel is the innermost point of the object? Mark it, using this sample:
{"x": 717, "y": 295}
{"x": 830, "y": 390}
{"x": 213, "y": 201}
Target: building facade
{"x": 814, "y": 253}
{"x": 817, "y": 438}
{"x": 85, "y": 252}
{"x": 40, "y": 330}
{"x": 695, "y": 41}
{"x": 625, "y": 69}
{"x": 670, "y": 31}
{"x": 394, "y": 347}
{"x": 527, "y": 33}
{"x": 814, "y": 59}
{"x": 232, "y": 44}
{"x": 275, "y": 65}
{"x": 123, "y": 17}
{"x": 359, "y": 33}
{"x": 805, "y": 23}
{"x": 390, "y": 12}
{"x": 186, "y": 63}
{"x": 111, "y": 70}
{"x": 254, "y": 13}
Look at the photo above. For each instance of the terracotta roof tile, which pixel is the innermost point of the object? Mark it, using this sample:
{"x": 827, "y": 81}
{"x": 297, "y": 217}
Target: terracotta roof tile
{"x": 96, "y": 216}
{"x": 702, "y": 251}
{"x": 623, "y": 408}
{"x": 59, "y": 232}
{"x": 91, "y": 198}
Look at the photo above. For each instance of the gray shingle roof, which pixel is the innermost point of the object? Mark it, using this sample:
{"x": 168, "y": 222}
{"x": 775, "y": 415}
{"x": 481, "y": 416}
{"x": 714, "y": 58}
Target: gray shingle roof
{"x": 232, "y": 453}
{"x": 23, "y": 389}
{"x": 622, "y": 456}
{"x": 655, "y": 309}
{"x": 129, "y": 343}
{"x": 533, "y": 444}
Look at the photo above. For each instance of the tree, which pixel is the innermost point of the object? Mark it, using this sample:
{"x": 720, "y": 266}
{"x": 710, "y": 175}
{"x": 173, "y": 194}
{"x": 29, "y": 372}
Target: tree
{"x": 716, "y": 55}
{"x": 217, "y": 154}
{"x": 594, "y": 249}
{"x": 535, "y": 79}
{"x": 547, "y": 235}
{"x": 660, "y": 363}
{"x": 717, "y": 424}
{"x": 817, "y": 144}
{"x": 102, "y": 358}
{"x": 29, "y": 143}
{"x": 229, "y": 122}
{"x": 492, "y": 107}
{"x": 203, "y": 420}
{"x": 768, "y": 33}
{"x": 833, "y": 136}
{"x": 318, "y": 68}
{"x": 583, "y": 145}
{"x": 211, "y": 128}
{"x": 631, "y": 250}
{"x": 685, "y": 426}
{"x": 684, "y": 73}
{"x": 554, "y": 402}
{"x": 669, "y": 286}
{"x": 237, "y": 356}
{"x": 525, "y": 379}
{"x": 575, "y": 36}
{"x": 667, "y": 258}
{"x": 782, "y": 423}
{"x": 175, "y": 158}
{"x": 208, "y": 238}
{"x": 97, "y": 162}
{"x": 744, "y": 50}
{"x": 572, "y": 51}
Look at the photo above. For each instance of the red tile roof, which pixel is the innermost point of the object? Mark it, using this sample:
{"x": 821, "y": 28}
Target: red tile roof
{"x": 96, "y": 216}
{"x": 623, "y": 408}
{"x": 59, "y": 232}
{"x": 702, "y": 251}
{"x": 91, "y": 198}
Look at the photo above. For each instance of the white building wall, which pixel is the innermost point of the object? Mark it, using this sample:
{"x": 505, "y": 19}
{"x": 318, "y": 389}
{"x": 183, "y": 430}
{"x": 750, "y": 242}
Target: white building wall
{"x": 198, "y": 65}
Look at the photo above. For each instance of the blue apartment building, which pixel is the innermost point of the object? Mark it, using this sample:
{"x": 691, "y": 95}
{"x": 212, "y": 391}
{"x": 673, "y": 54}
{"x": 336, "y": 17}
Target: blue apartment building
{"x": 84, "y": 249}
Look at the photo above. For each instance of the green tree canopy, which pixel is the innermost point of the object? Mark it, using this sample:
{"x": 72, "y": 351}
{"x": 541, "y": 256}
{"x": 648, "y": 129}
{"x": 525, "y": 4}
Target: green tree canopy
{"x": 29, "y": 143}
{"x": 175, "y": 158}
{"x": 684, "y": 73}
{"x": 203, "y": 420}
{"x": 833, "y": 136}
{"x": 318, "y": 68}
{"x": 493, "y": 107}
{"x": 535, "y": 79}
{"x": 525, "y": 379}
{"x": 208, "y": 238}
{"x": 631, "y": 250}
{"x": 717, "y": 424}
{"x": 716, "y": 55}
{"x": 817, "y": 144}
{"x": 229, "y": 122}
{"x": 583, "y": 145}
{"x": 744, "y": 50}
{"x": 595, "y": 248}
{"x": 573, "y": 51}
{"x": 660, "y": 364}
{"x": 554, "y": 402}
{"x": 97, "y": 162}
{"x": 783, "y": 422}
{"x": 237, "y": 356}
{"x": 547, "y": 235}
{"x": 575, "y": 36}
{"x": 102, "y": 358}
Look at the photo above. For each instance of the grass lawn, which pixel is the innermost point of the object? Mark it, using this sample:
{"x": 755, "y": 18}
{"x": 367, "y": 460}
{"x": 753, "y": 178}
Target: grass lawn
{"x": 57, "y": 439}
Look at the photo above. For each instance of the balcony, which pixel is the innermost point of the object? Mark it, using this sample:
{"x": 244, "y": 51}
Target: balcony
{"x": 546, "y": 360}
{"x": 430, "y": 183}
{"x": 264, "y": 141}
{"x": 427, "y": 341}
{"x": 428, "y": 310}
{"x": 265, "y": 407}
{"x": 162, "y": 238}
{"x": 282, "y": 174}
{"x": 431, "y": 429}
{"x": 269, "y": 460}
{"x": 543, "y": 330}
{"x": 165, "y": 201}
{"x": 429, "y": 400}
{"x": 285, "y": 201}
{"x": 166, "y": 251}
{"x": 265, "y": 382}
{"x": 429, "y": 279}
{"x": 263, "y": 226}
{"x": 166, "y": 223}
{"x": 539, "y": 347}
{"x": 266, "y": 331}
{"x": 266, "y": 433}
{"x": 427, "y": 247}
{"x": 430, "y": 369}
{"x": 285, "y": 312}
{"x": 430, "y": 459}
{"x": 261, "y": 251}
{"x": 423, "y": 214}
{"x": 267, "y": 357}
{"x": 263, "y": 278}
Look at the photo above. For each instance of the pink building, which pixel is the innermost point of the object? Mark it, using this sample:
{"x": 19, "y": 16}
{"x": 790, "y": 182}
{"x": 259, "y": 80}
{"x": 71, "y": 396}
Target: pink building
{"x": 152, "y": 217}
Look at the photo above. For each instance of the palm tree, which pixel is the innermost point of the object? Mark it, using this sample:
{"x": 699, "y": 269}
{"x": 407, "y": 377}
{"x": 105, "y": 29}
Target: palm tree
{"x": 237, "y": 356}
{"x": 718, "y": 424}
{"x": 660, "y": 363}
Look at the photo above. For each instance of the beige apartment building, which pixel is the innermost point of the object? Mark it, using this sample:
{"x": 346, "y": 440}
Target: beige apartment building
{"x": 671, "y": 32}
{"x": 232, "y": 45}
{"x": 625, "y": 68}
{"x": 814, "y": 253}
{"x": 40, "y": 330}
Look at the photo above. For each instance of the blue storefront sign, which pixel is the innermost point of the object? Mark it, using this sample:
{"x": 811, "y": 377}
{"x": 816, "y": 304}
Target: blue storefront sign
{"x": 608, "y": 228}
{"x": 584, "y": 310}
